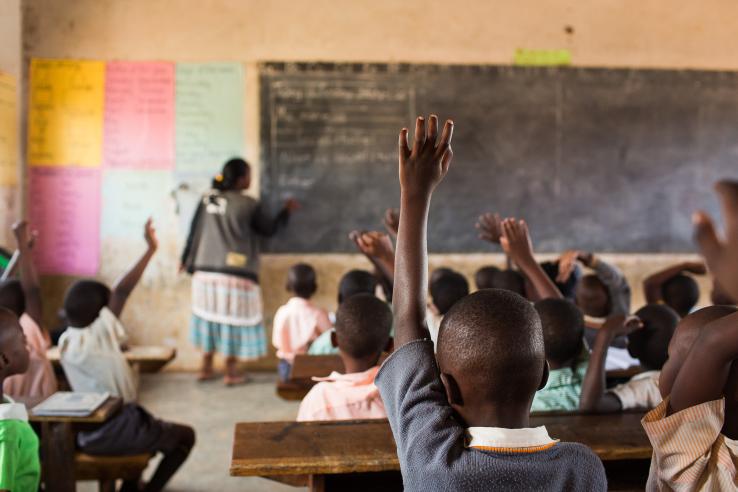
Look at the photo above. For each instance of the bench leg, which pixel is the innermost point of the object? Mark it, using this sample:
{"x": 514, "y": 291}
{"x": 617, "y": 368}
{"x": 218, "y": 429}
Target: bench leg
{"x": 316, "y": 483}
{"x": 57, "y": 454}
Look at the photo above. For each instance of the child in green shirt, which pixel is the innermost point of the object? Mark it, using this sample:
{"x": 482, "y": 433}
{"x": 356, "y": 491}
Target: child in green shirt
{"x": 20, "y": 469}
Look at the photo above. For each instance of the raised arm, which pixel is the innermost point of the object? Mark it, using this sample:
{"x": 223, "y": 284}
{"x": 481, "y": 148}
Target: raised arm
{"x": 29, "y": 276}
{"x": 378, "y": 249}
{"x": 653, "y": 284}
{"x": 489, "y": 226}
{"x": 421, "y": 169}
{"x": 593, "y": 397}
{"x": 517, "y": 245}
{"x": 127, "y": 282}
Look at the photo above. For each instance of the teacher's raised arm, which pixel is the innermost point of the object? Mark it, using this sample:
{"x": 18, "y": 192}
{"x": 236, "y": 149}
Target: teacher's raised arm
{"x": 222, "y": 253}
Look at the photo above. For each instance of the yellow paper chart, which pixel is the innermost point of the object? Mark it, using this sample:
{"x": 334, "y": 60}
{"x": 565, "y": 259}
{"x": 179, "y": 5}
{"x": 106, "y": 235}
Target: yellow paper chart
{"x": 65, "y": 116}
{"x": 8, "y": 131}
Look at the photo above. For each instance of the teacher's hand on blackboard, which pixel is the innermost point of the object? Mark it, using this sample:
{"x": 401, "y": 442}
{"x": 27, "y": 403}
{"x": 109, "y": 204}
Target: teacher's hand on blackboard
{"x": 291, "y": 205}
{"x": 721, "y": 253}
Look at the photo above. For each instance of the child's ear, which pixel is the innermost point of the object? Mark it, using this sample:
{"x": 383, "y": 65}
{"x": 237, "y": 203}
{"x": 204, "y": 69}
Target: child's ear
{"x": 544, "y": 378}
{"x": 390, "y": 345}
{"x": 334, "y": 340}
{"x": 453, "y": 393}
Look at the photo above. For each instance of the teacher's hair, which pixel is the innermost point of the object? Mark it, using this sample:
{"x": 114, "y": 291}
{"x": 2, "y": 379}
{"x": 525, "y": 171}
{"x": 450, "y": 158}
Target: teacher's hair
{"x": 232, "y": 170}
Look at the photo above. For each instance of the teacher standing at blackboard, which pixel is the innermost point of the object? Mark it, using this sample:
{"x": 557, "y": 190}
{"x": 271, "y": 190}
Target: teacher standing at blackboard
{"x": 222, "y": 253}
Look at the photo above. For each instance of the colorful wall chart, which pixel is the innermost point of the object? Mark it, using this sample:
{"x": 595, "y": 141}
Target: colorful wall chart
{"x": 8, "y": 131}
{"x": 109, "y": 145}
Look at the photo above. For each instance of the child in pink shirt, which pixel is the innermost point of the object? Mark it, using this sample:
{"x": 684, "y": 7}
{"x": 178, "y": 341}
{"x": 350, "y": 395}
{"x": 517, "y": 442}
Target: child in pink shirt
{"x": 299, "y": 322}
{"x": 23, "y": 298}
{"x": 363, "y": 325}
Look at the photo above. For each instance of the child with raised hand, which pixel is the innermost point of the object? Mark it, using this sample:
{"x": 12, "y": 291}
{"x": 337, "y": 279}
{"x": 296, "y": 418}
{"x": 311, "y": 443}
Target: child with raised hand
{"x": 92, "y": 360}
{"x": 648, "y": 333}
{"x": 363, "y": 325}
{"x": 20, "y": 469}
{"x": 24, "y": 299}
{"x": 694, "y": 431}
{"x": 674, "y": 288}
{"x": 461, "y": 423}
{"x": 378, "y": 249}
{"x": 299, "y": 322}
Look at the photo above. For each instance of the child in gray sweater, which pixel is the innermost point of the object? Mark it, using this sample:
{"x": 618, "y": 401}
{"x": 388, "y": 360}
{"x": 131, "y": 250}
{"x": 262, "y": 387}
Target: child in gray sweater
{"x": 462, "y": 423}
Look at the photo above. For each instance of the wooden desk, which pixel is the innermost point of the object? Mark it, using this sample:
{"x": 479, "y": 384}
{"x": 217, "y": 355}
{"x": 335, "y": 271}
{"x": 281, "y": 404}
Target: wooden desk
{"x": 58, "y": 446}
{"x": 310, "y": 366}
{"x": 145, "y": 358}
{"x": 317, "y": 449}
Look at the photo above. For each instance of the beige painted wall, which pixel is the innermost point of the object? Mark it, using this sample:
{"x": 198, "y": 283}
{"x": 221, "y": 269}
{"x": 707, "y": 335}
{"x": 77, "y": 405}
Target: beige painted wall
{"x": 10, "y": 62}
{"x": 626, "y": 33}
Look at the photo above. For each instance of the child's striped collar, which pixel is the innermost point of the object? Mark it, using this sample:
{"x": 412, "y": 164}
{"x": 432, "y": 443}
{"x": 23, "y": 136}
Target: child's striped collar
{"x": 498, "y": 439}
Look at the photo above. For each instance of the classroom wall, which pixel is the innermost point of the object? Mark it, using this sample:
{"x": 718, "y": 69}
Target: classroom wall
{"x": 10, "y": 63}
{"x": 622, "y": 33}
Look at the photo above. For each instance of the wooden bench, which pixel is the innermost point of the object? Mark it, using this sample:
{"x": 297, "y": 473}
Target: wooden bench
{"x": 107, "y": 469}
{"x": 312, "y": 453}
{"x": 146, "y": 359}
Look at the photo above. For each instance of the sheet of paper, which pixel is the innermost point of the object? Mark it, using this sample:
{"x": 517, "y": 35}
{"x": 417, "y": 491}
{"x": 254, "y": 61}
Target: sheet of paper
{"x": 131, "y": 197}
{"x": 65, "y": 209}
{"x": 8, "y": 130}
{"x": 65, "y": 113}
{"x": 209, "y": 116}
{"x": 139, "y": 115}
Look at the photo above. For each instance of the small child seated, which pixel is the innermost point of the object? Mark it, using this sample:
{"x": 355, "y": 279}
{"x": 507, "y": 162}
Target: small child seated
{"x": 674, "y": 288}
{"x": 20, "y": 469}
{"x": 23, "y": 298}
{"x": 461, "y": 419}
{"x": 446, "y": 288}
{"x": 567, "y": 356}
{"x": 649, "y": 334}
{"x": 92, "y": 360}
{"x": 298, "y": 323}
{"x": 352, "y": 283}
{"x": 599, "y": 295}
{"x": 363, "y": 324}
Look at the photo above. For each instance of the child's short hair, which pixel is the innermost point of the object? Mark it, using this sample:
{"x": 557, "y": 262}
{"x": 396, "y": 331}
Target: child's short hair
{"x": 493, "y": 340}
{"x": 12, "y": 296}
{"x": 563, "y": 329}
{"x": 301, "y": 280}
{"x": 447, "y": 288}
{"x": 83, "y": 302}
{"x": 356, "y": 282}
{"x": 681, "y": 293}
{"x": 363, "y": 326}
{"x": 567, "y": 288}
{"x": 484, "y": 277}
{"x": 510, "y": 280}
{"x": 650, "y": 345}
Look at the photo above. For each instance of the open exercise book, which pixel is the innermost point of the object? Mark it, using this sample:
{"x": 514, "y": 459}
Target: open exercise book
{"x": 71, "y": 404}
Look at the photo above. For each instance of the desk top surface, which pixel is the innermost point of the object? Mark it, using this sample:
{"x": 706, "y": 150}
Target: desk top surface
{"x": 99, "y": 416}
{"x": 292, "y": 448}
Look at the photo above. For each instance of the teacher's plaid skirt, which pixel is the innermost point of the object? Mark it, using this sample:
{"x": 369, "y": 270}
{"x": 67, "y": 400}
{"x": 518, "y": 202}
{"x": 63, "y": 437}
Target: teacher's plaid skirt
{"x": 227, "y": 316}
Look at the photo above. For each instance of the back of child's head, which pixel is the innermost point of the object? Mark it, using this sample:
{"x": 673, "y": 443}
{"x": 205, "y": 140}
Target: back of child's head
{"x": 563, "y": 330}
{"x": 484, "y": 277}
{"x": 12, "y": 296}
{"x": 12, "y": 344}
{"x": 567, "y": 288}
{"x": 301, "y": 280}
{"x": 592, "y": 296}
{"x": 681, "y": 293}
{"x": 650, "y": 345}
{"x": 363, "y": 326}
{"x": 84, "y": 301}
{"x": 356, "y": 282}
{"x": 491, "y": 343}
{"x": 446, "y": 288}
{"x": 509, "y": 280}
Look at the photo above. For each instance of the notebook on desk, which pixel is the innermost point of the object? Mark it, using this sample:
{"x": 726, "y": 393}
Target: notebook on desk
{"x": 69, "y": 403}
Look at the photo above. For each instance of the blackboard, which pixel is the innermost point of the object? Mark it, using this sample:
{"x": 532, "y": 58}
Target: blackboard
{"x": 611, "y": 160}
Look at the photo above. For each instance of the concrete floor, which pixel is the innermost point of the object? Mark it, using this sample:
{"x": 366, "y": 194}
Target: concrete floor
{"x": 212, "y": 409}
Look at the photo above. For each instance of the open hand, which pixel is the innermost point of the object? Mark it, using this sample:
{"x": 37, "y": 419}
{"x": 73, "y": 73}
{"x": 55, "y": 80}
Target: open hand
{"x": 425, "y": 165}
{"x": 721, "y": 254}
{"x": 490, "y": 227}
{"x": 150, "y": 235}
{"x": 620, "y": 325}
{"x": 392, "y": 220}
{"x": 515, "y": 241}
{"x": 568, "y": 263}
{"x": 374, "y": 244}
